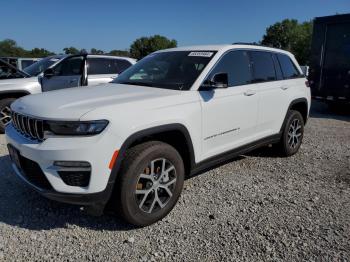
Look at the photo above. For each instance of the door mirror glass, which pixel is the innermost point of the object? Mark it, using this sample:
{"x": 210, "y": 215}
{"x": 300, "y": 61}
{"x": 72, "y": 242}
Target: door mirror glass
{"x": 219, "y": 80}
{"x": 49, "y": 73}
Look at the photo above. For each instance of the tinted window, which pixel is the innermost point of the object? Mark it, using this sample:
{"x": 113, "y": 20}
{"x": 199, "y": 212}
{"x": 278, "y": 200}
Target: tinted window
{"x": 38, "y": 67}
{"x": 170, "y": 70}
{"x": 277, "y": 67}
{"x": 26, "y": 63}
{"x": 123, "y": 65}
{"x": 70, "y": 67}
{"x": 236, "y": 65}
{"x": 263, "y": 67}
{"x": 100, "y": 66}
{"x": 288, "y": 68}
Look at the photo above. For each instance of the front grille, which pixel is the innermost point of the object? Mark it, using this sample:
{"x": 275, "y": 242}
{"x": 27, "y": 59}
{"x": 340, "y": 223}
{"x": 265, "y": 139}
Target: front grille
{"x": 29, "y": 127}
{"x": 33, "y": 173}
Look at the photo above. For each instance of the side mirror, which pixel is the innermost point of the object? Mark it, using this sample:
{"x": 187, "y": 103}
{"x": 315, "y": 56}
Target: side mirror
{"x": 49, "y": 73}
{"x": 219, "y": 80}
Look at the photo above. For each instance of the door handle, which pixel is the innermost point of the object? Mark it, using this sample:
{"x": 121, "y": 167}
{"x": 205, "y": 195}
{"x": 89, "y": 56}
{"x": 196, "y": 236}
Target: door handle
{"x": 284, "y": 87}
{"x": 72, "y": 81}
{"x": 249, "y": 93}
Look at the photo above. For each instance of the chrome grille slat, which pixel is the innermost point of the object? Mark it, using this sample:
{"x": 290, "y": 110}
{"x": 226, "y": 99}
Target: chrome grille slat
{"x": 21, "y": 124}
{"x": 31, "y": 122}
{"x": 13, "y": 119}
{"x": 29, "y": 127}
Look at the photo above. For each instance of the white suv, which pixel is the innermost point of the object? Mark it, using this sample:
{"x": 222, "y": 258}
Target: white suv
{"x": 132, "y": 142}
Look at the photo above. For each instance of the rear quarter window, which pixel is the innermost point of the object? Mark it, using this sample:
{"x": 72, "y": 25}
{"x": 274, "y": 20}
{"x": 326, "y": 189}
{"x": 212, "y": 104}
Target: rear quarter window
{"x": 123, "y": 65}
{"x": 289, "y": 69}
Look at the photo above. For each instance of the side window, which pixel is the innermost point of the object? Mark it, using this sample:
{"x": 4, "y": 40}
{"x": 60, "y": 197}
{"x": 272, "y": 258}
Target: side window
{"x": 236, "y": 65}
{"x": 289, "y": 69}
{"x": 26, "y": 63}
{"x": 100, "y": 66}
{"x": 70, "y": 67}
{"x": 263, "y": 67}
{"x": 122, "y": 65}
{"x": 278, "y": 70}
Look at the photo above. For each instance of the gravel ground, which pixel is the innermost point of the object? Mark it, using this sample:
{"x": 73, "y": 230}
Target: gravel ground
{"x": 257, "y": 207}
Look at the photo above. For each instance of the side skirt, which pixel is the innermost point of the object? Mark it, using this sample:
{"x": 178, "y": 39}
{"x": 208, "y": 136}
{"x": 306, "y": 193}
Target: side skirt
{"x": 213, "y": 161}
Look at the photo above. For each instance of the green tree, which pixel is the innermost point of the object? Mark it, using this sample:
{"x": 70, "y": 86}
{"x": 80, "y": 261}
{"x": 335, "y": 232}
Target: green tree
{"x": 9, "y": 47}
{"x": 292, "y": 36}
{"x": 145, "y": 45}
{"x": 119, "y": 53}
{"x": 95, "y": 51}
{"x": 71, "y": 50}
{"x": 40, "y": 52}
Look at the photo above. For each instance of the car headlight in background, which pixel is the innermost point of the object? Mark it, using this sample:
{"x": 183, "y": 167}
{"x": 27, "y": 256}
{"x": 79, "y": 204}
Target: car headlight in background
{"x": 77, "y": 128}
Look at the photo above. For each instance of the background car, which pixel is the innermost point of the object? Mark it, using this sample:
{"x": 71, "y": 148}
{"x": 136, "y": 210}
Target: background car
{"x": 20, "y": 62}
{"x": 83, "y": 70}
{"x": 58, "y": 72}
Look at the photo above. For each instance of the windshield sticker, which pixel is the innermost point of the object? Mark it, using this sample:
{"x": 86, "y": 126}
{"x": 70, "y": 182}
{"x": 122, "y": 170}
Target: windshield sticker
{"x": 201, "y": 54}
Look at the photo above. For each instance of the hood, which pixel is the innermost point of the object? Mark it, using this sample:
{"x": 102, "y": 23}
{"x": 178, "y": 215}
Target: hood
{"x": 17, "y": 81}
{"x": 71, "y": 104}
{"x": 26, "y": 85}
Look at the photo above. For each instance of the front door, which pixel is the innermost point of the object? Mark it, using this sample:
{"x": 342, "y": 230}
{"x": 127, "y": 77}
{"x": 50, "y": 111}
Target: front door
{"x": 66, "y": 74}
{"x": 229, "y": 115}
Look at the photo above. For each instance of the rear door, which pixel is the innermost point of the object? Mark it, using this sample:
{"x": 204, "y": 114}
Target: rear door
{"x": 66, "y": 74}
{"x": 104, "y": 70}
{"x": 272, "y": 90}
{"x": 277, "y": 81}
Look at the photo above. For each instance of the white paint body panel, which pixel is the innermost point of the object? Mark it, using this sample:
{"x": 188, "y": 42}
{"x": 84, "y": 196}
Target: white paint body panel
{"x": 233, "y": 118}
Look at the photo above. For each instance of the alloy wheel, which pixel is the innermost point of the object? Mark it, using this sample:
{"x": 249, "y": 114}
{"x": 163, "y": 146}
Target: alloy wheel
{"x": 294, "y": 133}
{"x": 155, "y": 186}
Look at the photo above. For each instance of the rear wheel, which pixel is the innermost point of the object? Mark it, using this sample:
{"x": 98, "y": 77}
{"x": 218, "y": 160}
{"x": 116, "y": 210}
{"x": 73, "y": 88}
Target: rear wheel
{"x": 292, "y": 134}
{"x": 5, "y": 113}
{"x": 151, "y": 181}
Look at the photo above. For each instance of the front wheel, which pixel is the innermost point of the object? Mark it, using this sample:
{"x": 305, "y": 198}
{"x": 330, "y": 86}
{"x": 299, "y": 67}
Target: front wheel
{"x": 293, "y": 133}
{"x": 5, "y": 113}
{"x": 151, "y": 181}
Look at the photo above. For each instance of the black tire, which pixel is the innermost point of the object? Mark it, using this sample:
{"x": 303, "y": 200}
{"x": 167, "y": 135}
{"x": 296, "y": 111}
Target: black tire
{"x": 136, "y": 162}
{"x": 4, "y": 106}
{"x": 290, "y": 144}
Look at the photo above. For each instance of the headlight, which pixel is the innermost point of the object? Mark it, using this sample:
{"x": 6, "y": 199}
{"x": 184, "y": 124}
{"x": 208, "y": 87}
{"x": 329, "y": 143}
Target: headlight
{"x": 79, "y": 128}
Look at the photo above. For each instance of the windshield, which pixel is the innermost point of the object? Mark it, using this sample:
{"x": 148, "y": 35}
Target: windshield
{"x": 170, "y": 70}
{"x": 38, "y": 67}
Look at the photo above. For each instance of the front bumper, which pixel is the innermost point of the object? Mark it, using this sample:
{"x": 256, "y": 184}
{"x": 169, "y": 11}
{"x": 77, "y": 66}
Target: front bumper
{"x": 97, "y": 150}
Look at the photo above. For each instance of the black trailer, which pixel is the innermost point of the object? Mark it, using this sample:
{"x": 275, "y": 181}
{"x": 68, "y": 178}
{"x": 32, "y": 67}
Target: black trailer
{"x": 329, "y": 74}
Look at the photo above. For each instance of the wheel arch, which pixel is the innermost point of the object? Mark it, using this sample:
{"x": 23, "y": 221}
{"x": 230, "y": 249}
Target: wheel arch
{"x": 163, "y": 133}
{"x": 13, "y": 94}
{"x": 300, "y": 105}
{"x": 148, "y": 134}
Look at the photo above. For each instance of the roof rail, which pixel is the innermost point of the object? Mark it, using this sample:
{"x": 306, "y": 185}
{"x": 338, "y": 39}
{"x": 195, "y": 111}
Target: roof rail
{"x": 243, "y": 43}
